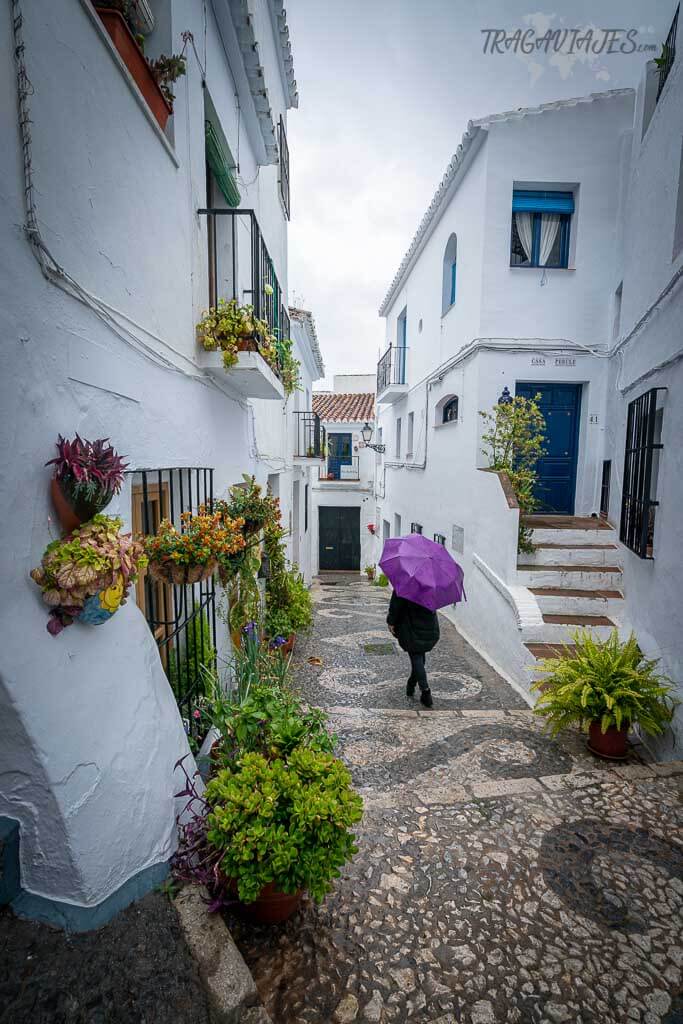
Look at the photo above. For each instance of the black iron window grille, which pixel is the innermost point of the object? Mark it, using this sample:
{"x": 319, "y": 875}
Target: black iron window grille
{"x": 637, "y": 502}
{"x": 338, "y": 467}
{"x": 182, "y": 618}
{"x": 416, "y": 528}
{"x": 668, "y": 55}
{"x": 439, "y": 538}
{"x": 310, "y": 436}
{"x": 240, "y": 267}
{"x": 450, "y": 411}
{"x": 306, "y": 490}
{"x": 284, "y": 165}
{"x": 604, "y": 488}
{"x": 391, "y": 369}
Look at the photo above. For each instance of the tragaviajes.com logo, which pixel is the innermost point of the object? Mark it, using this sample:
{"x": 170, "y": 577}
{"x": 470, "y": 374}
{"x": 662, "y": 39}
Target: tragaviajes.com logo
{"x": 546, "y": 42}
{"x": 570, "y": 41}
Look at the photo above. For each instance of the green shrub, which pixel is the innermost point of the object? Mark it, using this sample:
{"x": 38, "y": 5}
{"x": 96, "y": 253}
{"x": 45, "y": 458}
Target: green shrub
{"x": 607, "y": 682}
{"x": 283, "y": 822}
{"x": 289, "y": 607}
{"x": 381, "y": 581}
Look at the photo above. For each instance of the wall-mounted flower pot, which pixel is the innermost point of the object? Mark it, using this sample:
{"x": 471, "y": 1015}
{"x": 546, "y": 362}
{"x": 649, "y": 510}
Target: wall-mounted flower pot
{"x": 62, "y": 506}
{"x": 270, "y": 906}
{"x": 134, "y": 59}
{"x": 182, "y": 575}
{"x": 612, "y": 745}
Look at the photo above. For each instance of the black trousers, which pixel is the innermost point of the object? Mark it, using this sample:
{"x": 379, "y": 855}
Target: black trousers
{"x": 418, "y": 672}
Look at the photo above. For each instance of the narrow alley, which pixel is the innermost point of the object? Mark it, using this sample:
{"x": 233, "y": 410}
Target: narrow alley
{"x": 501, "y": 875}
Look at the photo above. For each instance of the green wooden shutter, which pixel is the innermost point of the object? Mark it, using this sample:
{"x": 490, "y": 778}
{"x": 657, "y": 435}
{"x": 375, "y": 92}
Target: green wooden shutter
{"x": 221, "y": 167}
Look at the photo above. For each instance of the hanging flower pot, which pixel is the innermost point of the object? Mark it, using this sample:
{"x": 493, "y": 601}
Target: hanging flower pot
{"x": 182, "y": 575}
{"x": 86, "y": 576}
{"x": 87, "y": 476}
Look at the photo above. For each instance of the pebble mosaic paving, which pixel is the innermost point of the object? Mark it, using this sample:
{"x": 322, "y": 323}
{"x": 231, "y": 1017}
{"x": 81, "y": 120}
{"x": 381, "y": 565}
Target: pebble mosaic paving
{"x": 501, "y": 876}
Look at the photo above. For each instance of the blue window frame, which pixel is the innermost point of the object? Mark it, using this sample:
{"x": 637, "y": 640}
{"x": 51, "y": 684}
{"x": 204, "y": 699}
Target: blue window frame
{"x": 453, "y": 279}
{"x": 533, "y": 214}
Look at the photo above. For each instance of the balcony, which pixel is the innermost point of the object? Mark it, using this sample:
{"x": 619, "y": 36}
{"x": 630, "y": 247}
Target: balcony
{"x": 391, "y": 375}
{"x": 309, "y": 442}
{"x": 339, "y": 469}
{"x": 665, "y": 61}
{"x": 240, "y": 268}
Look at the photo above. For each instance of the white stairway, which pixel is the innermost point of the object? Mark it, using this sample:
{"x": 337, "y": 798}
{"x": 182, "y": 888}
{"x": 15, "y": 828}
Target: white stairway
{"x": 575, "y": 574}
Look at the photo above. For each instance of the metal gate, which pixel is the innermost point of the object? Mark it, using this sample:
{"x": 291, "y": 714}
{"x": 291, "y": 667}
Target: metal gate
{"x": 182, "y": 618}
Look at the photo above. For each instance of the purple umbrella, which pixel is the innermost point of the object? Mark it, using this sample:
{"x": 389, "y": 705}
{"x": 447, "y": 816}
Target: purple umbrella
{"x": 422, "y": 571}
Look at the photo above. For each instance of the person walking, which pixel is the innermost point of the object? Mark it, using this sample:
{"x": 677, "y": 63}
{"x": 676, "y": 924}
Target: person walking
{"x": 417, "y": 630}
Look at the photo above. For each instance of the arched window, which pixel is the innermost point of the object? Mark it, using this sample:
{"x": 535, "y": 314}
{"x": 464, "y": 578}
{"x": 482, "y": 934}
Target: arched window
{"x": 450, "y": 263}
{"x": 450, "y": 411}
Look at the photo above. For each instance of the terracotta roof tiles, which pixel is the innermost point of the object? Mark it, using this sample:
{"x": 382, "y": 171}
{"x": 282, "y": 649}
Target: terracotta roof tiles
{"x": 333, "y": 408}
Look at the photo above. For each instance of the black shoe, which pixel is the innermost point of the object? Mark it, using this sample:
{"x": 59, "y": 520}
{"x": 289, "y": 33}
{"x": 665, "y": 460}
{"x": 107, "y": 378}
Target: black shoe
{"x": 426, "y": 699}
{"x": 410, "y": 690}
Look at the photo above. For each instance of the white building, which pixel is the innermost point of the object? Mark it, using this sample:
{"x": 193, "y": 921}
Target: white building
{"x": 98, "y": 316}
{"x": 518, "y": 279}
{"x": 343, "y": 506}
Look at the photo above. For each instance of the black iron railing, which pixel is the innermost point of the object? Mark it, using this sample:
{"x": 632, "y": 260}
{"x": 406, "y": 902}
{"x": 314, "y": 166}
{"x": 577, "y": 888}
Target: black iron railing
{"x": 284, "y": 165}
{"x": 340, "y": 468}
{"x": 637, "y": 504}
{"x": 665, "y": 62}
{"x": 240, "y": 267}
{"x": 391, "y": 369}
{"x": 439, "y": 538}
{"x": 416, "y": 527}
{"x": 310, "y": 436}
{"x": 604, "y": 488}
{"x": 181, "y": 618}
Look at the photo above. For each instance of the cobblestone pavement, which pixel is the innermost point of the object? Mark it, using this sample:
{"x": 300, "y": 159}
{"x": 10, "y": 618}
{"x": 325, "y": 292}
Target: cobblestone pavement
{"x": 501, "y": 875}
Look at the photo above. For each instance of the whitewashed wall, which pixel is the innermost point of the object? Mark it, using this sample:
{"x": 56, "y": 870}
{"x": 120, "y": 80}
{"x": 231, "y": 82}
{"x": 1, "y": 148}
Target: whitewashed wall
{"x": 92, "y": 731}
{"x": 649, "y": 263}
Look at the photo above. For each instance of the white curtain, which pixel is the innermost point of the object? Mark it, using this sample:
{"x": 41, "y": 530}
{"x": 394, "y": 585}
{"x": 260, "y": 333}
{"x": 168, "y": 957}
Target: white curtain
{"x": 550, "y": 225}
{"x": 524, "y": 230}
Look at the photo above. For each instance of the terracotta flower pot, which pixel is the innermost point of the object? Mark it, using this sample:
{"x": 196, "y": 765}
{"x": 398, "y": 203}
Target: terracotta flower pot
{"x": 62, "y": 506}
{"x": 182, "y": 575}
{"x": 134, "y": 59}
{"x": 612, "y": 745}
{"x": 270, "y": 906}
{"x": 248, "y": 343}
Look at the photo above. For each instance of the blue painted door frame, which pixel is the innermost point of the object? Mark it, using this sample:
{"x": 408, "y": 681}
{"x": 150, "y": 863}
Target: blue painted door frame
{"x": 561, "y": 406}
{"x": 339, "y": 453}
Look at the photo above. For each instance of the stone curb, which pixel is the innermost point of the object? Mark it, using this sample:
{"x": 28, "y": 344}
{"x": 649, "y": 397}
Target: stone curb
{"x": 227, "y": 980}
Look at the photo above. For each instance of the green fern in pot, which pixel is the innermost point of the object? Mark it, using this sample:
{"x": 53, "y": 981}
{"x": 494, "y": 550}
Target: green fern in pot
{"x": 604, "y": 687}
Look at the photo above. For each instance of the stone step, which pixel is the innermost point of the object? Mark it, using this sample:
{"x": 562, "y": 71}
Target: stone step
{"x": 560, "y": 627}
{"x": 569, "y": 530}
{"x": 570, "y": 576}
{"x": 571, "y": 554}
{"x": 577, "y": 602}
{"x": 539, "y": 650}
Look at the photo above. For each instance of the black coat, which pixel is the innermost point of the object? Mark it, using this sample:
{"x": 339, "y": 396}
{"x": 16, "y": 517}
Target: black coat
{"x": 417, "y": 629}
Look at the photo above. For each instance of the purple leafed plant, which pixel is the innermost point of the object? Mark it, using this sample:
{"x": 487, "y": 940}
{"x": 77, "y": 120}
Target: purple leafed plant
{"x": 90, "y": 473}
{"x": 196, "y": 860}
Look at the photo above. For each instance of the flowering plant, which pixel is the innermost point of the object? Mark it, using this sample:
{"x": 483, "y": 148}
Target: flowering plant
{"x": 192, "y": 553}
{"x": 227, "y": 325}
{"x": 371, "y": 528}
{"x": 89, "y": 473}
{"x": 96, "y": 559}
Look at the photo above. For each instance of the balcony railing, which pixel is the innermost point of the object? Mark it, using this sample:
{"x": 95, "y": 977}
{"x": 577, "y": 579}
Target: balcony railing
{"x": 284, "y": 166}
{"x": 340, "y": 468}
{"x": 240, "y": 267}
{"x": 391, "y": 369}
{"x": 665, "y": 61}
{"x": 310, "y": 436}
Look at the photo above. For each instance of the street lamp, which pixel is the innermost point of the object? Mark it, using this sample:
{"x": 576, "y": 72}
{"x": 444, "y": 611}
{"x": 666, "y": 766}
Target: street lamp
{"x": 366, "y": 433}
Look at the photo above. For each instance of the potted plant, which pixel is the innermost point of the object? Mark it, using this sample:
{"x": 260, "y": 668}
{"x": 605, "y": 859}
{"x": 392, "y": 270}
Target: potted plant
{"x": 153, "y": 78}
{"x": 87, "y": 476}
{"x": 289, "y": 607}
{"x": 248, "y": 502}
{"x": 87, "y": 575}
{"x": 371, "y": 528}
{"x": 267, "y": 830}
{"x": 605, "y": 687}
{"x": 370, "y": 571}
{"x": 232, "y": 328}
{"x": 191, "y": 555}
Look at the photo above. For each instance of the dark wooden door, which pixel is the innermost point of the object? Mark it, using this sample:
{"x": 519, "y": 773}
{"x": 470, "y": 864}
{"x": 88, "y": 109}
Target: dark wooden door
{"x": 339, "y": 537}
{"x": 556, "y": 470}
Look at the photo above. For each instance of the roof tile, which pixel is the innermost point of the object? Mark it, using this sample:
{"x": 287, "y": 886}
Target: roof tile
{"x": 333, "y": 408}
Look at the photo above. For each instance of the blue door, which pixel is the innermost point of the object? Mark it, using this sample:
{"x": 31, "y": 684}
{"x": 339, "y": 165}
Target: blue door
{"x": 339, "y": 453}
{"x": 561, "y": 406}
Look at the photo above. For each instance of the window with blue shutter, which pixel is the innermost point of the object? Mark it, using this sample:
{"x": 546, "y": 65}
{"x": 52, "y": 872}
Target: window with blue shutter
{"x": 541, "y": 224}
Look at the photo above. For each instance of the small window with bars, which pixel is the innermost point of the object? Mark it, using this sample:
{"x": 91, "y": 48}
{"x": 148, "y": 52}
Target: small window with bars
{"x": 416, "y": 527}
{"x": 641, "y": 468}
{"x": 439, "y": 538}
{"x": 284, "y": 166}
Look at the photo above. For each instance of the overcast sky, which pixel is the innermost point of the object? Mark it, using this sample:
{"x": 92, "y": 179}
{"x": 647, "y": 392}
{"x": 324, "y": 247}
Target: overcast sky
{"x": 386, "y": 90}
